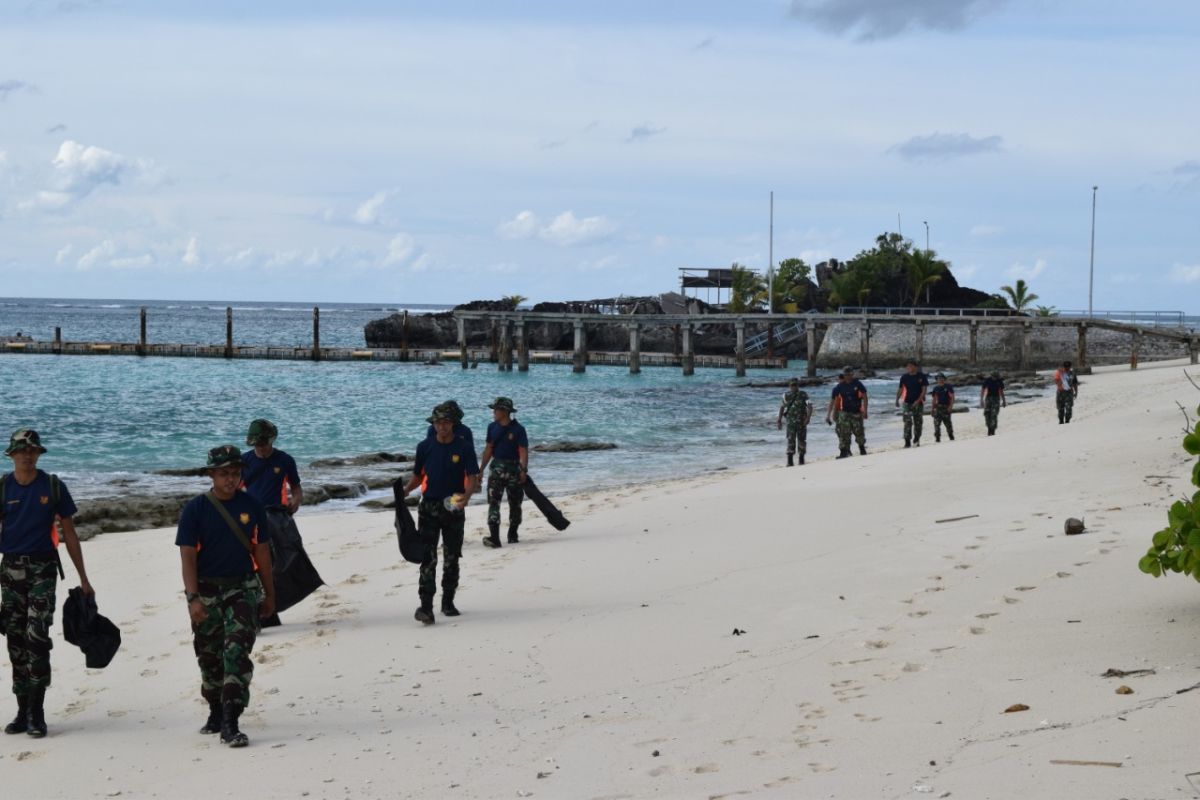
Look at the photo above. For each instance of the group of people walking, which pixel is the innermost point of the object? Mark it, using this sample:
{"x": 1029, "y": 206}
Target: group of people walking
{"x": 848, "y": 407}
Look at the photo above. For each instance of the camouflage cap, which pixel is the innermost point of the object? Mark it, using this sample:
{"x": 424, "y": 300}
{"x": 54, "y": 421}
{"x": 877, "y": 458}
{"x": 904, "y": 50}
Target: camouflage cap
{"x": 227, "y": 455}
{"x": 847, "y": 370}
{"x": 440, "y": 412}
{"x": 452, "y": 408}
{"x": 25, "y": 438}
{"x": 261, "y": 430}
{"x": 995, "y": 373}
{"x": 941, "y": 376}
{"x": 503, "y": 404}
{"x": 794, "y": 382}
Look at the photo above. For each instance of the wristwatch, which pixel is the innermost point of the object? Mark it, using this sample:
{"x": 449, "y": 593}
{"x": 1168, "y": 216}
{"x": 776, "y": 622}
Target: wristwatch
{"x": 191, "y": 597}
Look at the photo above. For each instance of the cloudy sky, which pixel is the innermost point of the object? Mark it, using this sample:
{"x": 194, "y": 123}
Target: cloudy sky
{"x": 407, "y": 151}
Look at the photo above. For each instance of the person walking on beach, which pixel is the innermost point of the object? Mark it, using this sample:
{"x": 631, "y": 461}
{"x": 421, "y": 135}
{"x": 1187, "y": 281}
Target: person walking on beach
{"x": 270, "y": 476}
{"x": 797, "y": 410}
{"x": 849, "y": 400}
{"x": 911, "y": 391}
{"x": 943, "y": 408}
{"x": 1067, "y": 389}
{"x": 507, "y": 451}
{"x": 460, "y": 430}
{"x": 991, "y": 398}
{"x": 34, "y": 508}
{"x": 446, "y": 468}
{"x": 223, "y": 542}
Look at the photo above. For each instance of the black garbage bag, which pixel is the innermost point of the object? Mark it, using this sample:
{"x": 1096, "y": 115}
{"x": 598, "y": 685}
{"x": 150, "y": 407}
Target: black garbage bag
{"x": 413, "y": 547}
{"x": 84, "y": 627}
{"x": 548, "y": 509}
{"x": 295, "y": 576}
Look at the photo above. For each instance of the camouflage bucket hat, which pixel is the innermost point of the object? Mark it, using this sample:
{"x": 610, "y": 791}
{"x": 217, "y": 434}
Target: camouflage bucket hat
{"x": 794, "y": 382}
{"x": 440, "y": 412}
{"x": 503, "y": 404}
{"x": 227, "y": 455}
{"x": 23, "y": 439}
{"x": 261, "y": 430}
{"x": 451, "y": 407}
{"x": 941, "y": 376}
{"x": 995, "y": 373}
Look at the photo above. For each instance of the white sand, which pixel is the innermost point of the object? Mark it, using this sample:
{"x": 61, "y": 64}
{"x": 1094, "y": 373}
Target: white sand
{"x": 880, "y": 648}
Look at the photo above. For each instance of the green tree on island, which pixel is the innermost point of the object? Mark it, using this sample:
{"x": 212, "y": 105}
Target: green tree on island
{"x": 511, "y": 301}
{"x": 1019, "y": 295}
{"x": 748, "y": 289}
{"x": 790, "y": 287}
{"x": 923, "y": 272}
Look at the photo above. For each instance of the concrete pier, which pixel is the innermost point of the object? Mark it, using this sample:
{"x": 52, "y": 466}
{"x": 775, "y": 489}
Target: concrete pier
{"x": 635, "y": 349}
{"x": 740, "y": 351}
{"x": 689, "y": 356}
{"x": 522, "y": 347}
{"x": 580, "y": 355}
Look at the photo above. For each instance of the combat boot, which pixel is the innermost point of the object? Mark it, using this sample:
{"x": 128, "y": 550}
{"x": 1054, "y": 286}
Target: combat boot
{"x": 214, "y": 718}
{"x": 230, "y": 735}
{"x": 937, "y": 437}
{"x": 512, "y": 534}
{"x": 907, "y": 443}
{"x": 951, "y": 435}
{"x": 20, "y": 722}
{"x": 862, "y": 449}
{"x": 448, "y": 607}
{"x": 492, "y": 540}
{"x": 37, "y": 713}
{"x": 844, "y": 453}
{"x": 424, "y": 612}
{"x": 801, "y": 460}
{"x": 790, "y": 459}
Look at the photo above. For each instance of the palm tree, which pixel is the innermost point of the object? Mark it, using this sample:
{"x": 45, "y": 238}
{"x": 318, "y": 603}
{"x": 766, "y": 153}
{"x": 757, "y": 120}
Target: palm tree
{"x": 849, "y": 288}
{"x": 513, "y": 300}
{"x": 747, "y": 289}
{"x": 1046, "y": 311}
{"x": 1020, "y": 297}
{"x": 923, "y": 272}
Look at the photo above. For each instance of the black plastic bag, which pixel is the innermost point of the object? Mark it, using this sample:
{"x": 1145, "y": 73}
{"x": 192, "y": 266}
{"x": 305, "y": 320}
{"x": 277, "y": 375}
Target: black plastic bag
{"x": 295, "y": 576}
{"x": 413, "y": 546}
{"x": 548, "y": 509}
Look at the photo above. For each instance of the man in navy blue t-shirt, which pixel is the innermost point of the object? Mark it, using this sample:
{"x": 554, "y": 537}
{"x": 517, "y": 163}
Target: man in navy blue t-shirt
{"x": 943, "y": 407}
{"x": 446, "y": 469}
{"x": 507, "y": 450}
{"x": 849, "y": 400}
{"x": 35, "y": 507}
{"x": 223, "y": 541}
{"x": 991, "y": 398}
{"x": 270, "y": 475}
{"x": 911, "y": 392}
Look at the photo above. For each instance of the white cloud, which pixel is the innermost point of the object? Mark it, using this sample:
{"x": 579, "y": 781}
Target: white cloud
{"x": 1028, "y": 273}
{"x": 523, "y": 226}
{"x": 62, "y": 254}
{"x": 401, "y": 248}
{"x": 1185, "y": 273}
{"x": 77, "y": 170}
{"x": 241, "y": 257}
{"x": 597, "y": 264}
{"x": 46, "y": 201}
{"x": 567, "y": 229}
{"x": 368, "y": 212}
{"x": 132, "y": 262}
{"x": 105, "y": 250}
{"x": 3, "y": 162}
{"x": 643, "y": 132}
{"x": 882, "y": 19}
{"x": 944, "y": 146}
{"x": 986, "y": 230}
{"x": 191, "y": 253}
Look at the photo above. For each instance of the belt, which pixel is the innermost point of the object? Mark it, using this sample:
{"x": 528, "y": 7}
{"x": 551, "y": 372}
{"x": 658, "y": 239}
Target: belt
{"x": 225, "y": 581}
{"x": 31, "y": 558}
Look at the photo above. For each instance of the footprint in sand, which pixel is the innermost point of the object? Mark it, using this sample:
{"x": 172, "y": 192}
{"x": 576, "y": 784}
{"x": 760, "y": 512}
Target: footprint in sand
{"x": 148, "y": 673}
{"x": 1011, "y": 600}
{"x": 704, "y": 769}
{"x": 977, "y": 630}
{"x": 1062, "y": 574}
{"x": 971, "y": 547}
{"x": 815, "y": 767}
{"x": 987, "y": 615}
{"x": 962, "y": 566}
{"x": 355, "y": 578}
{"x": 918, "y": 614}
{"x": 865, "y": 718}
{"x": 1025, "y": 588}
{"x": 911, "y": 667}
{"x": 876, "y": 644}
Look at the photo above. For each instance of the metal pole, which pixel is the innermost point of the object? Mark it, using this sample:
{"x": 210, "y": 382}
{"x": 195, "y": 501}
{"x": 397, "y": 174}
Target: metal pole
{"x": 771, "y": 260}
{"x": 926, "y": 236}
{"x": 1092, "y": 259}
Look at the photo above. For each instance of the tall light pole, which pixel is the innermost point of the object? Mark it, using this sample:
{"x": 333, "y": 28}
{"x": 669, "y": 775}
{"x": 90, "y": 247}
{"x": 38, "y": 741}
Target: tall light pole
{"x": 1092, "y": 258}
{"x": 926, "y": 236}
{"x": 771, "y": 260}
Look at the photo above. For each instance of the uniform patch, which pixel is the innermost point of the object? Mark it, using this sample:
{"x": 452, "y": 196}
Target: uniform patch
{"x": 454, "y": 458}
{"x": 277, "y": 470}
{"x": 245, "y": 518}
{"x": 44, "y": 500}
{"x": 510, "y": 437}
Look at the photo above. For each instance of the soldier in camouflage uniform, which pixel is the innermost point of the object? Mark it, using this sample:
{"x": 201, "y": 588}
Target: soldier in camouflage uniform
{"x": 849, "y": 400}
{"x": 797, "y": 410}
{"x": 1066, "y": 390}
{"x": 34, "y": 507}
{"x": 911, "y": 392}
{"x": 224, "y": 543}
{"x": 943, "y": 408}
{"x": 991, "y": 398}
{"x": 446, "y": 469}
{"x": 507, "y": 450}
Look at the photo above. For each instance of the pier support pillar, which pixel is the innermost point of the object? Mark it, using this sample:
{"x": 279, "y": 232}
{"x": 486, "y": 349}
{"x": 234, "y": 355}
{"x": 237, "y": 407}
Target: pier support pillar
{"x": 57, "y": 347}
{"x": 506, "y": 354}
{"x": 522, "y": 346}
{"x": 864, "y": 334}
{"x": 228, "y": 332}
{"x": 635, "y": 349}
{"x": 404, "y": 337}
{"x": 811, "y": 334}
{"x": 1194, "y": 349}
{"x": 462, "y": 342}
{"x": 689, "y": 357}
{"x": 579, "y": 362}
{"x": 1026, "y": 345}
{"x": 920, "y": 343}
{"x": 973, "y": 356}
{"x": 1081, "y": 348}
{"x": 1133, "y": 351}
{"x": 141, "y": 349}
{"x": 316, "y": 350}
{"x": 494, "y": 345}
{"x": 739, "y": 329}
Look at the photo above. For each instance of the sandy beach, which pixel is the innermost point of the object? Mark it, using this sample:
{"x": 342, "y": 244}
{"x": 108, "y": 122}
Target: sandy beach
{"x": 880, "y": 647}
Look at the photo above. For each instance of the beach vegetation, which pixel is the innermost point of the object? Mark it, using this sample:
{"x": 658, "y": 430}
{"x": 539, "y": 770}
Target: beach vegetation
{"x": 790, "y": 287}
{"x": 891, "y": 273}
{"x": 1019, "y": 295}
{"x": 1045, "y": 311}
{"x": 924, "y": 270}
{"x": 512, "y": 301}
{"x": 747, "y": 291}
{"x": 1176, "y": 548}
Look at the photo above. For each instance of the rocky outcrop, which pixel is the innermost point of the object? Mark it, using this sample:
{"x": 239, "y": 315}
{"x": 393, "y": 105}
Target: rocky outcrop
{"x": 572, "y": 447}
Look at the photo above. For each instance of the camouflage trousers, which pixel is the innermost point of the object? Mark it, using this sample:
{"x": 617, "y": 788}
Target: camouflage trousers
{"x": 914, "y": 419}
{"x": 850, "y": 422}
{"x": 224, "y": 640}
{"x": 505, "y": 476}
{"x": 797, "y": 438}
{"x": 27, "y": 585}
{"x": 1066, "y": 404}
{"x": 991, "y": 413}
{"x": 434, "y": 520}
{"x": 942, "y": 416}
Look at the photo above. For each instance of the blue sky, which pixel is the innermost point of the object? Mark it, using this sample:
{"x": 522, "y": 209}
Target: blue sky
{"x": 404, "y": 152}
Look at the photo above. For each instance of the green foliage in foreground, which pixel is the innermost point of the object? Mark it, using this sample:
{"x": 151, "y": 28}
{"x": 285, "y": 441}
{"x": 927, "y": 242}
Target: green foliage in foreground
{"x": 1176, "y": 548}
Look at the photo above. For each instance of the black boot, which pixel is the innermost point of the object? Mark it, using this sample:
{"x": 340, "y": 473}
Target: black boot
{"x": 230, "y": 735}
{"x": 802, "y": 460}
{"x": 512, "y": 534}
{"x": 214, "y": 718}
{"x": 425, "y": 611}
{"x": 272, "y": 621}
{"x": 862, "y": 449}
{"x": 494, "y": 539}
{"x": 907, "y": 443}
{"x": 951, "y": 435}
{"x": 845, "y": 453}
{"x": 790, "y": 460}
{"x": 448, "y": 604}
{"x": 37, "y": 713}
{"x": 20, "y": 722}
{"x": 937, "y": 437}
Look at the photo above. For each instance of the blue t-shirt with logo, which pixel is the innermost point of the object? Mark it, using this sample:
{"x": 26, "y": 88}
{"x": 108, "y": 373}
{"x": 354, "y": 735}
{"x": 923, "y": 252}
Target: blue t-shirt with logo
{"x": 942, "y": 394}
{"x": 912, "y": 385}
{"x": 445, "y": 467}
{"x": 29, "y": 514}
{"x": 460, "y": 431}
{"x": 263, "y": 478}
{"x": 505, "y": 439}
{"x": 849, "y": 396}
{"x": 993, "y": 386}
{"x": 220, "y": 553}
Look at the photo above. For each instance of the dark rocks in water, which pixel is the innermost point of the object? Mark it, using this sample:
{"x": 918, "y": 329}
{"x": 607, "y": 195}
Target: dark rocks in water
{"x": 129, "y": 513}
{"x": 189, "y": 472}
{"x": 385, "y": 503}
{"x": 361, "y": 460}
{"x": 572, "y": 447}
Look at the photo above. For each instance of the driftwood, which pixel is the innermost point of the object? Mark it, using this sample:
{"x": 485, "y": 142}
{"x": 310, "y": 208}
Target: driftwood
{"x": 954, "y": 519}
{"x": 1074, "y": 763}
